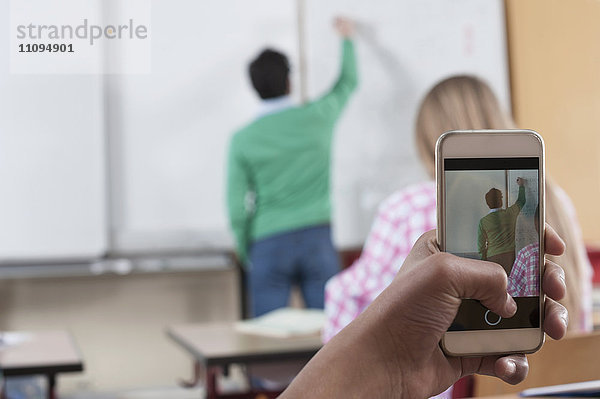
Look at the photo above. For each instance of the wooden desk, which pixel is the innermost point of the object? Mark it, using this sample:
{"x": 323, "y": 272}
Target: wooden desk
{"x": 516, "y": 396}
{"x": 575, "y": 358}
{"x": 47, "y": 353}
{"x": 216, "y": 346}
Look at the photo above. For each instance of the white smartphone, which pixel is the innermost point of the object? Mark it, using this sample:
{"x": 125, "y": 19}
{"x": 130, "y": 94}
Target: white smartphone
{"x": 490, "y": 206}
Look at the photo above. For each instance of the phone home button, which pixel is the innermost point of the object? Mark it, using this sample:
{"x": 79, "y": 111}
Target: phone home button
{"x": 491, "y": 323}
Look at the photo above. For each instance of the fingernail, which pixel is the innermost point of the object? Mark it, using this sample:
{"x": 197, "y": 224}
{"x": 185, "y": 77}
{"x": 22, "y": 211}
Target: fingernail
{"x": 565, "y": 318}
{"x": 511, "y": 369}
{"x": 511, "y": 306}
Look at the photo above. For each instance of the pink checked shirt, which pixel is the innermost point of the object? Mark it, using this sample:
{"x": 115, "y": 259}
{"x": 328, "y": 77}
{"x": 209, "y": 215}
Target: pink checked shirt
{"x": 523, "y": 279}
{"x": 400, "y": 221}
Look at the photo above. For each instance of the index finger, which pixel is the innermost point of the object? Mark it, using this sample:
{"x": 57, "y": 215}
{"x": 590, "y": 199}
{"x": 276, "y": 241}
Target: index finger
{"x": 554, "y": 244}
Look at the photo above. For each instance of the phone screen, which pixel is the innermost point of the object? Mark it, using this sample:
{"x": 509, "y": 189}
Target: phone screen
{"x": 492, "y": 213}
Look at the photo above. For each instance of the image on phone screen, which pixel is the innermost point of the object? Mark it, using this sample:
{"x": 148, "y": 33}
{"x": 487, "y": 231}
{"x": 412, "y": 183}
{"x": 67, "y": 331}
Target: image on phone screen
{"x": 492, "y": 214}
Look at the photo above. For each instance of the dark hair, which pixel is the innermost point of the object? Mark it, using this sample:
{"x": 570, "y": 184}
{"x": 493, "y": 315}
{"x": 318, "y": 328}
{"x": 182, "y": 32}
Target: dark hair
{"x": 269, "y": 74}
{"x": 493, "y": 198}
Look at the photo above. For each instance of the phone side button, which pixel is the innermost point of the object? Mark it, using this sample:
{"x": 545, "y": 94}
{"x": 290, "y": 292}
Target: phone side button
{"x": 494, "y": 315}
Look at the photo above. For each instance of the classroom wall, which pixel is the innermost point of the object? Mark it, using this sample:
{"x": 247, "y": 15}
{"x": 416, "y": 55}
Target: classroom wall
{"x": 554, "y": 56}
{"x": 119, "y": 322}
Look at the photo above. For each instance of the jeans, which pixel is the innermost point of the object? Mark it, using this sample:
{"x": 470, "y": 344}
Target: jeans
{"x": 304, "y": 257}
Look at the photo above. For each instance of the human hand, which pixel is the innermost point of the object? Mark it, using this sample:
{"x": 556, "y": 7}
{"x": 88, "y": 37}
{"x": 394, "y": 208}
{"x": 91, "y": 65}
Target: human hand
{"x": 392, "y": 349}
{"x": 427, "y": 293}
{"x": 520, "y": 181}
{"x": 345, "y": 27}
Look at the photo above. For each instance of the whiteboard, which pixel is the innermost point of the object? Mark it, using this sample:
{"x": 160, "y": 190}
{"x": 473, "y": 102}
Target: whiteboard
{"x": 525, "y": 230}
{"x": 171, "y": 128}
{"x": 52, "y": 161}
{"x": 404, "y": 47}
{"x": 168, "y": 130}
{"x": 466, "y": 205}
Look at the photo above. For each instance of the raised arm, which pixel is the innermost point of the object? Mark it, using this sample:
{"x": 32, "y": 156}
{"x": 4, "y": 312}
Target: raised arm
{"x": 520, "y": 202}
{"x": 238, "y": 186}
{"x": 333, "y": 102}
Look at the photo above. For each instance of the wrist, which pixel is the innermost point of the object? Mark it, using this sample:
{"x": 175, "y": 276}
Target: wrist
{"x": 379, "y": 375}
{"x": 396, "y": 347}
{"x": 387, "y": 350}
{"x": 354, "y": 363}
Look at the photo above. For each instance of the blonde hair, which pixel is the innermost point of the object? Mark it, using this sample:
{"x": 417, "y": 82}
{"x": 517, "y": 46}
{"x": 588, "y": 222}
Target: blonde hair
{"x": 459, "y": 102}
{"x": 466, "y": 102}
{"x": 575, "y": 262}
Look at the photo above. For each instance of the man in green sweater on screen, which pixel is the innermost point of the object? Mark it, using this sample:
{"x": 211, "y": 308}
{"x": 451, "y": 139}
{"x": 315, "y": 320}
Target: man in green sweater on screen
{"x": 278, "y": 183}
{"x": 496, "y": 232}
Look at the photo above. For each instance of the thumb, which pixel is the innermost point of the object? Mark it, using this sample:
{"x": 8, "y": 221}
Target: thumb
{"x": 480, "y": 280}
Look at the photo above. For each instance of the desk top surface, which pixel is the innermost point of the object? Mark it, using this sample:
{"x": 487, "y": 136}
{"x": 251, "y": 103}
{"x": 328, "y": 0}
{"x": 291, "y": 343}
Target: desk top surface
{"x": 517, "y": 396}
{"x": 220, "y": 343}
{"x": 47, "y": 352}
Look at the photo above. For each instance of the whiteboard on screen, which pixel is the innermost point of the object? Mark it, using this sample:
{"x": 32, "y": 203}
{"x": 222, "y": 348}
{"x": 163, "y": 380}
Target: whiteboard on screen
{"x": 173, "y": 126}
{"x": 52, "y": 187}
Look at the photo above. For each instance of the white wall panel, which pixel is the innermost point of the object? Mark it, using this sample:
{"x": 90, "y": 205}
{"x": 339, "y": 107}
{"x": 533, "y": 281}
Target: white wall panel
{"x": 172, "y": 127}
{"x": 52, "y": 165}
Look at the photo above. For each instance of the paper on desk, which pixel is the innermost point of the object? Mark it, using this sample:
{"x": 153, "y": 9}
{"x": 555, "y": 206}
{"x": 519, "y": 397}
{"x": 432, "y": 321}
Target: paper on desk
{"x": 285, "y": 322}
{"x": 578, "y": 389}
{"x": 13, "y": 338}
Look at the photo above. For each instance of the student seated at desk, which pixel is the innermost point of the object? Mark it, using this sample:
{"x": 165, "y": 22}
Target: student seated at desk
{"x": 459, "y": 102}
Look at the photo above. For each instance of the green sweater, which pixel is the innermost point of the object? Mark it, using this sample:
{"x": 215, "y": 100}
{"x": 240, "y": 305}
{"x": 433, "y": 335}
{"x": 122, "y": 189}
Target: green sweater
{"x": 496, "y": 233}
{"x": 282, "y": 160}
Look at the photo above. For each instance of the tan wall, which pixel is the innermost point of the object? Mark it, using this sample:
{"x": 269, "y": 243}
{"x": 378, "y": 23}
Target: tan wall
{"x": 119, "y": 321}
{"x": 554, "y": 48}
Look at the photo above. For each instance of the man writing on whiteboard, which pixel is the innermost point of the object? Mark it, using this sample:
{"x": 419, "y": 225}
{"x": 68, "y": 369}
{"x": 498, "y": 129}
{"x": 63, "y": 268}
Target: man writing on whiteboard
{"x": 278, "y": 183}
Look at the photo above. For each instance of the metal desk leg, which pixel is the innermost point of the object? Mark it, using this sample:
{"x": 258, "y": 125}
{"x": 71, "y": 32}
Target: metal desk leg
{"x": 196, "y": 378}
{"x": 211, "y": 382}
{"x": 242, "y": 281}
{"x": 51, "y": 386}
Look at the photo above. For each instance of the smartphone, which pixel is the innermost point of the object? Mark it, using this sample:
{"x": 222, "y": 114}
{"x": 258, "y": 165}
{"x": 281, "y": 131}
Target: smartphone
{"x": 490, "y": 196}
